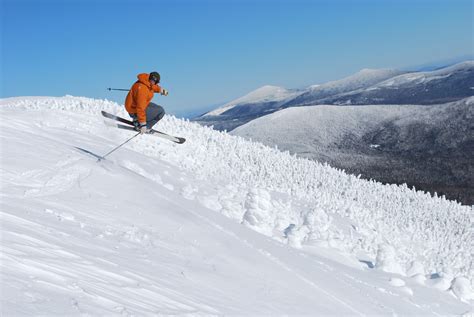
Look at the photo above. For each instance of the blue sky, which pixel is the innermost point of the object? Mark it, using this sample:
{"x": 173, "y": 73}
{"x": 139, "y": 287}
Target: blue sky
{"x": 209, "y": 52}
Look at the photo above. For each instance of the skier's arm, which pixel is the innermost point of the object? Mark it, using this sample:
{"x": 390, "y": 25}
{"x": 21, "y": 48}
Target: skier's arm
{"x": 158, "y": 89}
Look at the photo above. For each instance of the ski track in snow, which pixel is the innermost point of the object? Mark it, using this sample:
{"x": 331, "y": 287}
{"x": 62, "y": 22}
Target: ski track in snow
{"x": 68, "y": 249}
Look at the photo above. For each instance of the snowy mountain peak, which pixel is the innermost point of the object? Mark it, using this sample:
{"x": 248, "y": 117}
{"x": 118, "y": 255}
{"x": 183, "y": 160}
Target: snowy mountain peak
{"x": 467, "y": 65}
{"x": 462, "y": 65}
{"x": 411, "y": 79}
{"x": 368, "y": 70}
{"x": 268, "y": 89}
{"x": 366, "y": 77}
{"x": 265, "y": 93}
{"x": 363, "y": 78}
{"x": 376, "y": 71}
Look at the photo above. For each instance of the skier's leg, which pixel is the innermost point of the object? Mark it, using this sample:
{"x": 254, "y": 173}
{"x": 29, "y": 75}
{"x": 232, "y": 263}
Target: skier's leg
{"x": 135, "y": 120}
{"x": 154, "y": 113}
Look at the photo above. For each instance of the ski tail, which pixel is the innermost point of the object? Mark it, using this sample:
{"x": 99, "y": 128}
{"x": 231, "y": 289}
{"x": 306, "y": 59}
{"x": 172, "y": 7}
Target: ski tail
{"x": 116, "y": 118}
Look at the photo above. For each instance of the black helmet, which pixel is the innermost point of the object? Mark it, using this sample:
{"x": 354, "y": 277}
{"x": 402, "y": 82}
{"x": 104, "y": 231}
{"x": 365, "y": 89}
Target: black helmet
{"x": 155, "y": 77}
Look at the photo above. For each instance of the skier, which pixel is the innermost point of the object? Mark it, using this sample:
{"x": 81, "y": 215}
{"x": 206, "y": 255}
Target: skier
{"x": 144, "y": 113}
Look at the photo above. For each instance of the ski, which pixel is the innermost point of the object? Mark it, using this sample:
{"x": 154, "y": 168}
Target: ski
{"x": 174, "y": 139}
{"x": 116, "y": 118}
{"x": 130, "y": 127}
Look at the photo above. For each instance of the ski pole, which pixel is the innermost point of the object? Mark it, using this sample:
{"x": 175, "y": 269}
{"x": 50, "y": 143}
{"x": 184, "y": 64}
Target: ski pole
{"x": 120, "y": 89}
{"x": 116, "y": 148}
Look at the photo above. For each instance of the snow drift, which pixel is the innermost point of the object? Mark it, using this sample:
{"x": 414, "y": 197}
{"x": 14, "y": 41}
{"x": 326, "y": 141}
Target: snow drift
{"x": 161, "y": 228}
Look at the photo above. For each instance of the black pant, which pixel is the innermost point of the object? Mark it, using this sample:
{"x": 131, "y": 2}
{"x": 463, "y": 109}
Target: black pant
{"x": 154, "y": 113}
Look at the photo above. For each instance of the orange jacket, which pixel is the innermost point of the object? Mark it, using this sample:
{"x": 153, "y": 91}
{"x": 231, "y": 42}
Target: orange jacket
{"x": 140, "y": 96}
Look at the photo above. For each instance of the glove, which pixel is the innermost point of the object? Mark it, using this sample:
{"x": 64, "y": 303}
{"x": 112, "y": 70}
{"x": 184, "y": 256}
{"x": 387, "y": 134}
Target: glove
{"x": 143, "y": 128}
{"x": 164, "y": 92}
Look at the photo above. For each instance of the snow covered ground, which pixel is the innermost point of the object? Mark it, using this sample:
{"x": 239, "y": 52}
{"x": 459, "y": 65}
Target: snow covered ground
{"x": 218, "y": 225}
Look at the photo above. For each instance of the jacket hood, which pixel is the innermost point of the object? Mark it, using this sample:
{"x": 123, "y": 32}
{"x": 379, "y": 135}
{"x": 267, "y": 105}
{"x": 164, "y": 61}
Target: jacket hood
{"x": 143, "y": 78}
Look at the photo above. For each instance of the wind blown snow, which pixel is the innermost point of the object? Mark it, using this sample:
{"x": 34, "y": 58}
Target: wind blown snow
{"x": 59, "y": 206}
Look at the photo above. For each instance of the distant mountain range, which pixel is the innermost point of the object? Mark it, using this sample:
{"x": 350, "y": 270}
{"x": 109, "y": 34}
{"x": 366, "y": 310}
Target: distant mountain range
{"x": 389, "y": 125}
{"x": 422, "y": 88}
{"x": 367, "y": 87}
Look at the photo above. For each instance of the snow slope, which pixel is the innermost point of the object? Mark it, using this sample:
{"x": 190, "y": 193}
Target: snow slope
{"x": 216, "y": 226}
